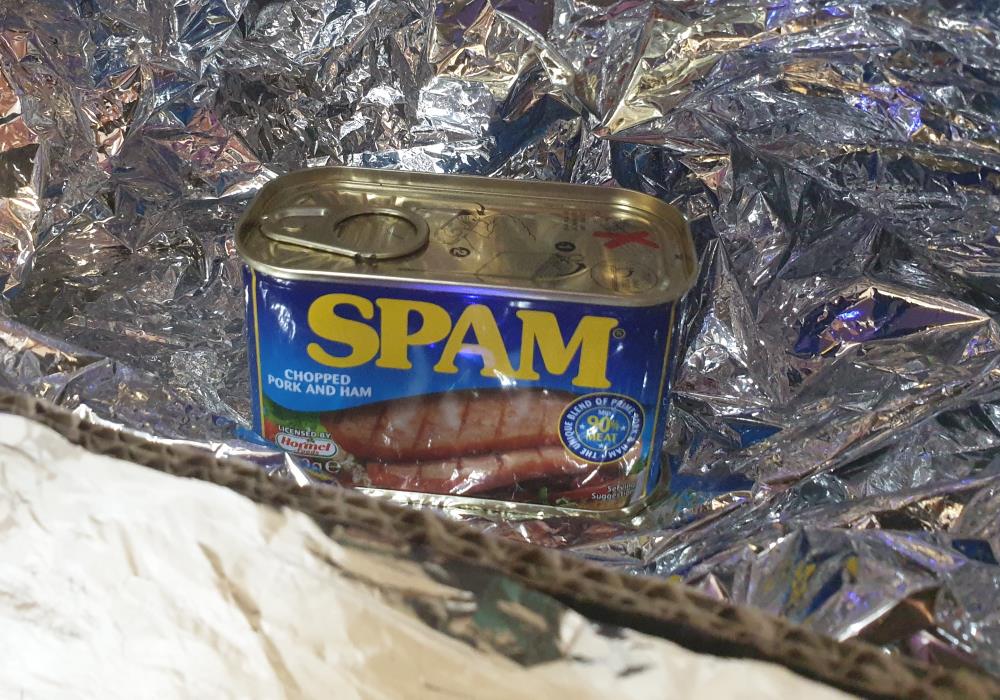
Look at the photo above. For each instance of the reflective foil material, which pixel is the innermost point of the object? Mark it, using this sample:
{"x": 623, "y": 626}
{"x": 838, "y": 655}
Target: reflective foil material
{"x": 836, "y": 410}
{"x": 241, "y": 599}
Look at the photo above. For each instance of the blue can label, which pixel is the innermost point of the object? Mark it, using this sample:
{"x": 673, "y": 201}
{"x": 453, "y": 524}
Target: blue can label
{"x": 461, "y": 391}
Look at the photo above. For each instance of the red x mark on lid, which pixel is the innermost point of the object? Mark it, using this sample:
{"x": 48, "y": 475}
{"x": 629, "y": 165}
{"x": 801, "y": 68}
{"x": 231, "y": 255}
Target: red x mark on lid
{"x": 616, "y": 239}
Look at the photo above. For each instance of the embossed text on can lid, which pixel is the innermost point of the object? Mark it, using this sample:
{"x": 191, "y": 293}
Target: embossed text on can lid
{"x": 596, "y": 244}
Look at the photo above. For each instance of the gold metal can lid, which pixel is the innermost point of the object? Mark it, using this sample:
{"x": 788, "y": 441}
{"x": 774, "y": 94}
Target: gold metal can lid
{"x": 549, "y": 240}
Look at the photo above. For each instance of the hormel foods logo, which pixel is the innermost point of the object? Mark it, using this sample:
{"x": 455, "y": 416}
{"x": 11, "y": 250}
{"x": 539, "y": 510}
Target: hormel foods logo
{"x": 308, "y": 446}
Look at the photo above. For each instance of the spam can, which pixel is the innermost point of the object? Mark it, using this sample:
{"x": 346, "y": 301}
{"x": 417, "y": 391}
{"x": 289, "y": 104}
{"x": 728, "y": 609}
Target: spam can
{"x": 465, "y": 337}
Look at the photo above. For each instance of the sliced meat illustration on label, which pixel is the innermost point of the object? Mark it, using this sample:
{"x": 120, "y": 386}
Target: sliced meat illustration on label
{"x": 456, "y": 424}
{"x": 466, "y": 443}
{"x": 478, "y": 474}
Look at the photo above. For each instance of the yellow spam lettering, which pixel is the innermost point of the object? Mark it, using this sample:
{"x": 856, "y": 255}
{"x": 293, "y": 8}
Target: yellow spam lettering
{"x": 435, "y": 324}
{"x": 475, "y": 332}
{"x": 478, "y": 320}
{"x": 360, "y": 337}
{"x": 591, "y": 341}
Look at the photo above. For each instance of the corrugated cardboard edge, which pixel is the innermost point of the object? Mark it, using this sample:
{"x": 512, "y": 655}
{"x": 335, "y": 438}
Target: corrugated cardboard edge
{"x": 650, "y": 605}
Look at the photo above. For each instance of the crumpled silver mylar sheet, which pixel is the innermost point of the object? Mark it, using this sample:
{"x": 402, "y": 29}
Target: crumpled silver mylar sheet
{"x": 835, "y": 430}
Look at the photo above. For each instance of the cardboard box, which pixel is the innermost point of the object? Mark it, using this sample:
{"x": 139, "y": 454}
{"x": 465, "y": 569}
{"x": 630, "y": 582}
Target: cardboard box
{"x": 653, "y": 606}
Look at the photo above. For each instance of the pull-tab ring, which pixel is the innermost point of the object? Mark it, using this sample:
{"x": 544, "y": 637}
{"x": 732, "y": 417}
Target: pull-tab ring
{"x": 366, "y": 233}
